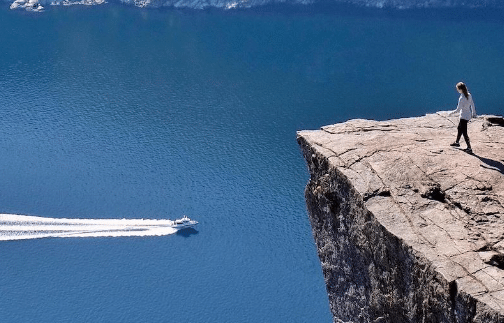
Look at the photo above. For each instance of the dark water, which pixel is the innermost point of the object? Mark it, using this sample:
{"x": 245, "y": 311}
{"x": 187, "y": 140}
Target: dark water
{"x": 118, "y": 112}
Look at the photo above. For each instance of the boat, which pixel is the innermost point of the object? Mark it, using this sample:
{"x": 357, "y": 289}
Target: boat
{"x": 184, "y": 223}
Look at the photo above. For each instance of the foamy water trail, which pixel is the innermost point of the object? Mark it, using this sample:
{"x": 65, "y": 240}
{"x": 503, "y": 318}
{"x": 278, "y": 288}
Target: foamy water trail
{"x": 18, "y": 227}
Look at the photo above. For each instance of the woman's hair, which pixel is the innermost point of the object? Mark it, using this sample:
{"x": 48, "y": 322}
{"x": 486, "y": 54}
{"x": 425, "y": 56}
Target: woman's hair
{"x": 462, "y": 87}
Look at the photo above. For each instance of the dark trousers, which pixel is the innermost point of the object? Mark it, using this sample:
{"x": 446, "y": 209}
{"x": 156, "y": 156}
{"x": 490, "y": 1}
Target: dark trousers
{"x": 462, "y": 130}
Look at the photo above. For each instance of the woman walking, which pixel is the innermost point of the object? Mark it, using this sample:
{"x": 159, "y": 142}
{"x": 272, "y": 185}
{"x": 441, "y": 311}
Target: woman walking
{"x": 467, "y": 111}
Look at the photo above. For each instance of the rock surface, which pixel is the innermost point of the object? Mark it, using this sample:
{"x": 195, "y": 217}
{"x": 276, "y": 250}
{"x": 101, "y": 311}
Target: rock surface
{"x": 409, "y": 229}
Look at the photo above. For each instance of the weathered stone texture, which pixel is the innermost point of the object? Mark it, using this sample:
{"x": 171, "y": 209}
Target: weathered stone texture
{"x": 407, "y": 228}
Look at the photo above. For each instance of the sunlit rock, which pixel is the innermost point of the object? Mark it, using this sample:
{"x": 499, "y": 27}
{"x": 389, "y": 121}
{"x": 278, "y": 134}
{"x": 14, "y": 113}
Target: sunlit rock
{"x": 409, "y": 229}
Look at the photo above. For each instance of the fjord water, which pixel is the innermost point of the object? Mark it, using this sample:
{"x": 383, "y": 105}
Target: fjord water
{"x": 118, "y": 112}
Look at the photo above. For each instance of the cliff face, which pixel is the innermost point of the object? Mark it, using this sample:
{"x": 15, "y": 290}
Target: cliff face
{"x": 407, "y": 228}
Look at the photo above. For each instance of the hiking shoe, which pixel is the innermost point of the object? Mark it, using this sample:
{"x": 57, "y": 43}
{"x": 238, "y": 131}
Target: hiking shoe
{"x": 455, "y": 144}
{"x": 468, "y": 150}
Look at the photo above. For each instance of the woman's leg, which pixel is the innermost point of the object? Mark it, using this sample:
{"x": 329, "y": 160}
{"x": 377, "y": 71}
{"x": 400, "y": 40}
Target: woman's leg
{"x": 463, "y": 131}
{"x": 460, "y": 130}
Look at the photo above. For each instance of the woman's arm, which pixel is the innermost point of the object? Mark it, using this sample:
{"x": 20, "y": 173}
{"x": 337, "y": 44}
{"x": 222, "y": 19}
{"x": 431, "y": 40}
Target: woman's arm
{"x": 473, "y": 108}
{"x": 458, "y": 109}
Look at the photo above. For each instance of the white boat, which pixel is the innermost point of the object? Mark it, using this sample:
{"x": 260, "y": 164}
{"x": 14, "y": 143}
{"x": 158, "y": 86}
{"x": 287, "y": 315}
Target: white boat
{"x": 183, "y": 223}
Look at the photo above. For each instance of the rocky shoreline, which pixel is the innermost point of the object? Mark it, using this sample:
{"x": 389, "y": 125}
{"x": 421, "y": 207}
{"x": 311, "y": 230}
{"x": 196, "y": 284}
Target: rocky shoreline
{"x": 409, "y": 229}
{"x": 38, "y": 5}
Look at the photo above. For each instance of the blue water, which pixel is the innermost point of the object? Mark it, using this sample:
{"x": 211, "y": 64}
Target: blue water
{"x": 119, "y": 112}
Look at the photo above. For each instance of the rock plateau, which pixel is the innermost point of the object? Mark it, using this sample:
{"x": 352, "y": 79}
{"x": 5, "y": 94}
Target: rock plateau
{"x": 409, "y": 229}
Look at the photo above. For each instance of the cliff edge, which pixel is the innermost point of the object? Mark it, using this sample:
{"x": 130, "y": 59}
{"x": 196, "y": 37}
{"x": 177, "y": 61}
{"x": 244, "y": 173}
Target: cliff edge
{"x": 409, "y": 229}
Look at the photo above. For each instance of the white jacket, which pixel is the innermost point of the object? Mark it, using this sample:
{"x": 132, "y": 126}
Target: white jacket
{"x": 465, "y": 107}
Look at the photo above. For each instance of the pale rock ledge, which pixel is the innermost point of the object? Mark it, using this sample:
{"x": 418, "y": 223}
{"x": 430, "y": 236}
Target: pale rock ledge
{"x": 409, "y": 229}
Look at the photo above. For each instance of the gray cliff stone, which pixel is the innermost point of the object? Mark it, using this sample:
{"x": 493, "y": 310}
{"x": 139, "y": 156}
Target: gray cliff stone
{"x": 409, "y": 229}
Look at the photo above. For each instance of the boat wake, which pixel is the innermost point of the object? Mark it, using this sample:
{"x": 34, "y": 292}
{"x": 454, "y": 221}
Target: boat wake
{"x": 18, "y": 227}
